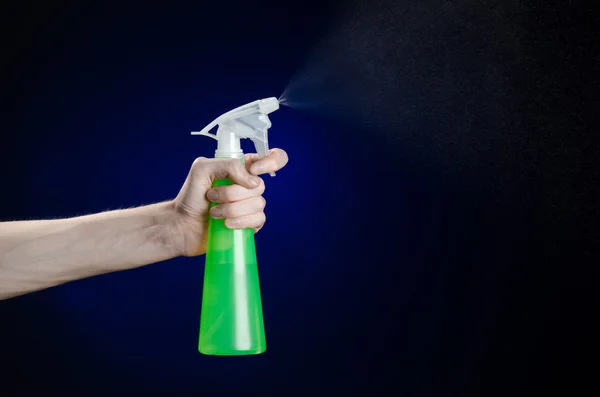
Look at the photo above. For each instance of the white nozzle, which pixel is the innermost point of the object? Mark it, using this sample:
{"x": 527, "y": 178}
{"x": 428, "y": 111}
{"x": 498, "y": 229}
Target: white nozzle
{"x": 247, "y": 121}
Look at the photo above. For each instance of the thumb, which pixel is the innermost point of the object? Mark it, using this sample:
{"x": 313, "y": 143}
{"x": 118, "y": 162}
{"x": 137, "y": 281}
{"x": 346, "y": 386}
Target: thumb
{"x": 234, "y": 170}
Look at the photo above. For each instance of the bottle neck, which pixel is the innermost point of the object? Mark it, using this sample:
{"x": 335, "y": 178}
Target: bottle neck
{"x": 228, "y": 142}
{"x": 229, "y": 155}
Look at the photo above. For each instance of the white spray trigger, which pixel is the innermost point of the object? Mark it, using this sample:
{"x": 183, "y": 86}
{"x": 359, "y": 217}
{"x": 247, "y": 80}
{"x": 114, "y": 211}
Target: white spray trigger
{"x": 205, "y": 133}
{"x": 247, "y": 121}
{"x": 259, "y": 134}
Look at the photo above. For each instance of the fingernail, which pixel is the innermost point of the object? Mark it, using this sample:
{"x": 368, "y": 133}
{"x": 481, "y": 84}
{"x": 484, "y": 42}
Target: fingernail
{"x": 216, "y": 212}
{"x": 232, "y": 223}
{"x": 212, "y": 195}
{"x": 255, "y": 181}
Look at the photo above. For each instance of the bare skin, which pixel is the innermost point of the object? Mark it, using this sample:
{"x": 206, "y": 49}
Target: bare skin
{"x": 35, "y": 255}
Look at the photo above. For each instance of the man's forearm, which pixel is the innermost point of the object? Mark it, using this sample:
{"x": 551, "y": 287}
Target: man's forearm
{"x": 39, "y": 254}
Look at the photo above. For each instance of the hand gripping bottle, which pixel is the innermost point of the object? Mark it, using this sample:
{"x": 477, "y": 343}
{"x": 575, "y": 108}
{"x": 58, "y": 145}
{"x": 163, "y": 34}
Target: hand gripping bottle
{"x": 231, "y": 321}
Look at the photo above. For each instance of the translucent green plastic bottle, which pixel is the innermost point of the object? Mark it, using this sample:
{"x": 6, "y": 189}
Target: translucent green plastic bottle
{"x": 231, "y": 322}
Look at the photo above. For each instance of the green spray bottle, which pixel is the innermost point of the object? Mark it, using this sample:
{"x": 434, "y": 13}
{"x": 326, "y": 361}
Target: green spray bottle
{"x": 231, "y": 320}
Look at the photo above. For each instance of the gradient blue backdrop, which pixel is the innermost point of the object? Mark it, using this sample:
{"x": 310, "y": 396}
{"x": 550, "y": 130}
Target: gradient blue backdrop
{"x": 381, "y": 274}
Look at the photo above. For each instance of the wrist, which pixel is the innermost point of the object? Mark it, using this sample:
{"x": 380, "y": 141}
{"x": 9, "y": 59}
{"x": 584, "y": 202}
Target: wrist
{"x": 172, "y": 233}
{"x": 190, "y": 229}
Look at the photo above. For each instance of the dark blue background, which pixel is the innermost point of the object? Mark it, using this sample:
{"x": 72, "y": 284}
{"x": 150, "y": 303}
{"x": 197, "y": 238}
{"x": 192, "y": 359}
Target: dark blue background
{"x": 407, "y": 266}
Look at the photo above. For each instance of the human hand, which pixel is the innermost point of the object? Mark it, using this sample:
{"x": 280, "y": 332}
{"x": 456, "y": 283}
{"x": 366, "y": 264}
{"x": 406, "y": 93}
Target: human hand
{"x": 240, "y": 204}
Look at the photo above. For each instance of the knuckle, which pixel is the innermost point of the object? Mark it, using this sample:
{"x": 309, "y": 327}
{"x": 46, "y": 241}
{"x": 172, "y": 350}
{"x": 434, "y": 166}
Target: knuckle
{"x": 261, "y": 187}
{"x": 256, "y": 220}
{"x": 199, "y": 162}
{"x": 262, "y": 202}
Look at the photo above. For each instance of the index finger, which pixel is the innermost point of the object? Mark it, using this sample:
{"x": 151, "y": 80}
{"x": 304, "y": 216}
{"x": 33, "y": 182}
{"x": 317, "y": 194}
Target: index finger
{"x": 275, "y": 161}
